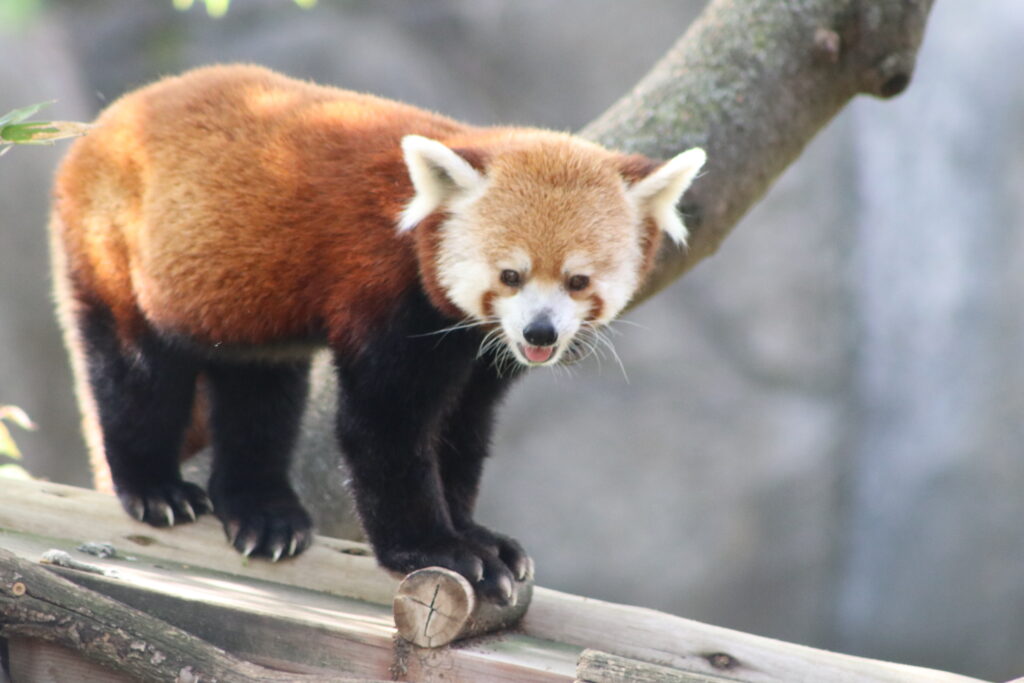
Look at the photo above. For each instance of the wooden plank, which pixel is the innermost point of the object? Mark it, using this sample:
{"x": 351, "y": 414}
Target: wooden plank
{"x": 557, "y": 625}
{"x": 601, "y": 667}
{"x": 48, "y": 509}
{"x": 687, "y": 645}
{"x": 295, "y": 629}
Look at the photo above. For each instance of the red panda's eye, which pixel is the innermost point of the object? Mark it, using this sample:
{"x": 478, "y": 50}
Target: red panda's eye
{"x": 578, "y": 283}
{"x": 510, "y": 278}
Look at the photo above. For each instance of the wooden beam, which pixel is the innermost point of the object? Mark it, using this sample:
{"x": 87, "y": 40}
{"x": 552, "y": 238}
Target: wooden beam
{"x": 687, "y": 645}
{"x": 332, "y": 566}
{"x": 36, "y": 603}
{"x": 333, "y": 603}
{"x": 291, "y": 628}
{"x": 600, "y": 667}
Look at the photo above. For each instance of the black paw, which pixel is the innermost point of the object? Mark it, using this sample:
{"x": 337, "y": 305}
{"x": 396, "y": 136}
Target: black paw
{"x": 480, "y": 563}
{"x": 265, "y": 526}
{"x": 505, "y": 547}
{"x": 167, "y": 504}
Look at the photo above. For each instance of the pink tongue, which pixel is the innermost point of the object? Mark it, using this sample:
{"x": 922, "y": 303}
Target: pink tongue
{"x": 538, "y": 354}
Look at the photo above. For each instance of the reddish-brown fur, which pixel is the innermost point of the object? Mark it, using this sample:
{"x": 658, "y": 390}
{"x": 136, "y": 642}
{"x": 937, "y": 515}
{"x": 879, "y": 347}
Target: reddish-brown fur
{"x": 285, "y": 220}
{"x": 234, "y": 206}
{"x": 280, "y": 222}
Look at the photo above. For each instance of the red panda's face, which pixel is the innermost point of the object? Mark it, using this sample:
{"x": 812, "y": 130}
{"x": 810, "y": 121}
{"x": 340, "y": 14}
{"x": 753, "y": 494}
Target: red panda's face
{"x": 548, "y": 243}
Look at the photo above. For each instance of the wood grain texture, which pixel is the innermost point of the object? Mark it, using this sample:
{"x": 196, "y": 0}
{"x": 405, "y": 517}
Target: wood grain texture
{"x": 287, "y": 618}
{"x": 436, "y": 606}
{"x": 600, "y": 667}
{"x": 37, "y": 604}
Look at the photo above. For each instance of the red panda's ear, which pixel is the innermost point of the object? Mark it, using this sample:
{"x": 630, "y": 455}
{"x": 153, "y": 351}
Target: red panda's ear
{"x": 657, "y": 193}
{"x": 438, "y": 173}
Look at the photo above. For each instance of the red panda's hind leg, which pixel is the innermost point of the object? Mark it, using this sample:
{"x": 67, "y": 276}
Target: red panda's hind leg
{"x": 143, "y": 392}
{"x": 255, "y": 410}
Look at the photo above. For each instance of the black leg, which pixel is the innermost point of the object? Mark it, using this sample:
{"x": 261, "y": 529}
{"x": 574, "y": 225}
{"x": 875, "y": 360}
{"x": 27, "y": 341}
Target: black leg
{"x": 143, "y": 394}
{"x": 255, "y": 410}
{"x": 463, "y": 447}
{"x": 393, "y": 397}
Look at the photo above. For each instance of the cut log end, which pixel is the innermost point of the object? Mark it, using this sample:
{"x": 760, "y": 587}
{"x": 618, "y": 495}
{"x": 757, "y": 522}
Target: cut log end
{"x": 436, "y": 606}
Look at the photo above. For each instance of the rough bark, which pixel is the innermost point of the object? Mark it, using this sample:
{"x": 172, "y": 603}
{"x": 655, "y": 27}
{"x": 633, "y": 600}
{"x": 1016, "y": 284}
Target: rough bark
{"x": 752, "y": 81}
{"x": 36, "y": 603}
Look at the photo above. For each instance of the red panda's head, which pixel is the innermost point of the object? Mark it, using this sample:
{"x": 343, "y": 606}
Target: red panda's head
{"x": 541, "y": 233}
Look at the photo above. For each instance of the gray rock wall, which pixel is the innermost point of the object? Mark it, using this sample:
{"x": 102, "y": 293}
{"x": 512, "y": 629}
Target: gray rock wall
{"x": 819, "y": 438}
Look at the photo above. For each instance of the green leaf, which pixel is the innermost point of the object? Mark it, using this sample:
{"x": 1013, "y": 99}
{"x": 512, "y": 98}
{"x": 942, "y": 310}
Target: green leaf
{"x": 18, "y": 115}
{"x": 41, "y": 132}
{"x": 25, "y": 132}
{"x": 12, "y": 471}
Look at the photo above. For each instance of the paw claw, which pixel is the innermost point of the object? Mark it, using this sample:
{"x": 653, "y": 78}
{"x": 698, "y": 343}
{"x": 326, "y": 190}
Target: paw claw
{"x": 163, "y": 503}
{"x": 524, "y": 568}
{"x": 505, "y": 590}
{"x": 260, "y": 525}
{"x": 233, "y": 528}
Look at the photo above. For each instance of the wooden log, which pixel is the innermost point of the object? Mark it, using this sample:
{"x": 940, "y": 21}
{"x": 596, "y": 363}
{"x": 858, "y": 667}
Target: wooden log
{"x": 32, "y": 659}
{"x": 35, "y": 603}
{"x": 545, "y": 646}
{"x": 595, "y": 666}
{"x": 435, "y": 606}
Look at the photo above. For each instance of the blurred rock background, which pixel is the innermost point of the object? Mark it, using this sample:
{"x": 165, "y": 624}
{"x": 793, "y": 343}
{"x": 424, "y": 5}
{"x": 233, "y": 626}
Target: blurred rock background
{"x": 820, "y": 438}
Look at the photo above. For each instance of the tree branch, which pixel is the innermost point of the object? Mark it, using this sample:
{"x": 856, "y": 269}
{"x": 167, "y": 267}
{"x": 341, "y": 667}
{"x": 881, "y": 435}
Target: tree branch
{"x": 752, "y": 81}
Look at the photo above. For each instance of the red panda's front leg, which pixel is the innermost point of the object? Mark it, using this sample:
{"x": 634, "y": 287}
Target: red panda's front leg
{"x": 394, "y": 396}
{"x": 462, "y": 448}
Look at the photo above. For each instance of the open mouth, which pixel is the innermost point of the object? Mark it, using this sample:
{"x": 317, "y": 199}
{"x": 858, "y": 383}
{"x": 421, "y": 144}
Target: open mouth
{"x": 537, "y": 354}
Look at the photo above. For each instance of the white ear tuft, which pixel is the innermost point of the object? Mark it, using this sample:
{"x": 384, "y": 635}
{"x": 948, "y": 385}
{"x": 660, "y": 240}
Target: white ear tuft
{"x": 657, "y": 194}
{"x": 437, "y": 173}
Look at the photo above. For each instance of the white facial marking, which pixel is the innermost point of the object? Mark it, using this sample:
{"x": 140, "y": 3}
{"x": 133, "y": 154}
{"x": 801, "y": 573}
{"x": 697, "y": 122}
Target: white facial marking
{"x": 534, "y": 300}
{"x": 657, "y": 194}
{"x": 463, "y": 269}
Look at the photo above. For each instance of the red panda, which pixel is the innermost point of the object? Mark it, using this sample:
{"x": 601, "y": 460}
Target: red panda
{"x": 221, "y": 224}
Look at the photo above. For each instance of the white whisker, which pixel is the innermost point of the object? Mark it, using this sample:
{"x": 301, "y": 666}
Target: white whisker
{"x": 464, "y": 324}
{"x": 623, "y": 321}
{"x": 601, "y": 339}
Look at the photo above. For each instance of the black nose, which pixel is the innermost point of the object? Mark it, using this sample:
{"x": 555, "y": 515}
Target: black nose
{"x": 540, "y": 332}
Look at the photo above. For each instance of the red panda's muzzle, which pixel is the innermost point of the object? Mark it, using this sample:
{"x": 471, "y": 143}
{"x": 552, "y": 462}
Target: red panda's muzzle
{"x": 540, "y": 336}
